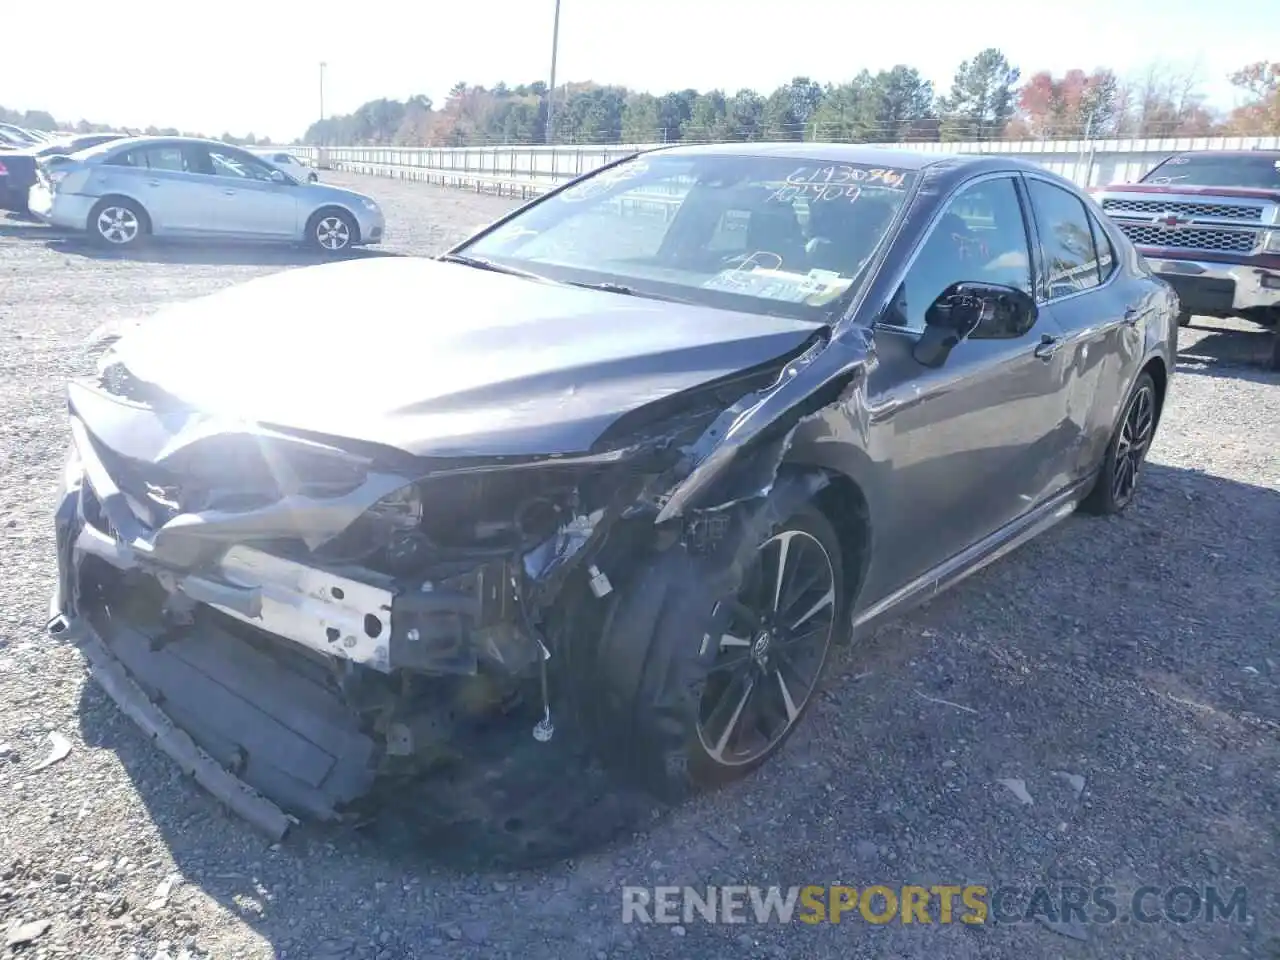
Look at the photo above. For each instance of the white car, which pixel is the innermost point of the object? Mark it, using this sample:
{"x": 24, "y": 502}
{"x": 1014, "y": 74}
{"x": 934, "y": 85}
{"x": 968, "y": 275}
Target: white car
{"x": 289, "y": 164}
{"x": 126, "y": 190}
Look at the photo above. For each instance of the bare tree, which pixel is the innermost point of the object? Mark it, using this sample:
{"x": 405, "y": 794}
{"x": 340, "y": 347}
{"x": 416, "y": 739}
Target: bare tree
{"x": 1166, "y": 99}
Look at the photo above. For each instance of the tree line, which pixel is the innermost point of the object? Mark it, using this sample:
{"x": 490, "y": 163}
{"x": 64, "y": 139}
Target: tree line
{"x": 988, "y": 99}
{"x": 45, "y": 121}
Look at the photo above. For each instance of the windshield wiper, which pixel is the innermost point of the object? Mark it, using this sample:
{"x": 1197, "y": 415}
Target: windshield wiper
{"x": 624, "y": 290}
{"x": 480, "y": 263}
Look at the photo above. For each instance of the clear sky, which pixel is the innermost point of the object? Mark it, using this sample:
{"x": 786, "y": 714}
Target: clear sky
{"x": 255, "y": 66}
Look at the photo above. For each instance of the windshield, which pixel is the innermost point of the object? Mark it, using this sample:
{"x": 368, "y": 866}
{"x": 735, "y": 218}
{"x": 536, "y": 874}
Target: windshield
{"x": 1260, "y": 172}
{"x": 767, "y": 235}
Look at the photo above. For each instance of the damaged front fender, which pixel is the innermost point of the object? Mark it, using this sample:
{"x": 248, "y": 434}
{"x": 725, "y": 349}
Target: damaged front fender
{"x": 739, "y": 455}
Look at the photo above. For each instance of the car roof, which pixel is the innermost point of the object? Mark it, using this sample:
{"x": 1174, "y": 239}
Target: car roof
{"x": 145, "y": 141}
{"x": 860, "y": 153}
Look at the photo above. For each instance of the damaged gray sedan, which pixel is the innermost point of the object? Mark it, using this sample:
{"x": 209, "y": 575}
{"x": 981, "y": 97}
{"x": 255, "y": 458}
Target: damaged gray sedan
{"x": 637, "y": 456}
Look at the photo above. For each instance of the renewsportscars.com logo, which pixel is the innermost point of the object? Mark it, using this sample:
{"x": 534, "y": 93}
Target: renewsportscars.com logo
{"x": 938, "y": 904}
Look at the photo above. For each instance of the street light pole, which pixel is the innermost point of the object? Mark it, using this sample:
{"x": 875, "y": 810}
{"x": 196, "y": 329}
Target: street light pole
{"x": 551, "y": 93}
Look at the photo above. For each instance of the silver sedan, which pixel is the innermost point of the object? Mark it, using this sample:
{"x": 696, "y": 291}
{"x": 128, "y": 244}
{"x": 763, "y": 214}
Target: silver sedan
{"x": 127, "y": 190}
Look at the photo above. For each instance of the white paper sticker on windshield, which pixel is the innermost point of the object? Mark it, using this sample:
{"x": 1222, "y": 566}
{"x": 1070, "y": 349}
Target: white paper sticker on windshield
{"x": 778, "y": 285}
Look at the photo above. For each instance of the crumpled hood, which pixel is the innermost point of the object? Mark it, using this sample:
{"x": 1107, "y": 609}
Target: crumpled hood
{"x": 440, "y": 359}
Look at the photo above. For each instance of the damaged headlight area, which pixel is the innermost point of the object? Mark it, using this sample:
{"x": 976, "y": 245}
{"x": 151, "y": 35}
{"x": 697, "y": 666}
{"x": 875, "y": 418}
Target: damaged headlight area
{"x": 476, "y": 559}
{"x": 461, "y": 516}
{"x": 393, "y": 600}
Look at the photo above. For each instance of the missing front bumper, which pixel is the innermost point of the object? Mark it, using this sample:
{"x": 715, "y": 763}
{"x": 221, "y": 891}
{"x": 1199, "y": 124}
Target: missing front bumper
{"x": 251, "y": 692}
{"x": 177, "y": 744}
{"x": 257, "y": 724}
{"x": 265, "y": 740}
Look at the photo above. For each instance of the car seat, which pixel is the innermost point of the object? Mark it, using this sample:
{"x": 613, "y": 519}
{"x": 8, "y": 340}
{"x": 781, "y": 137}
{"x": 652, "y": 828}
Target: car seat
{"x": 775, "y": 228}
{"x": 845, "y": 233}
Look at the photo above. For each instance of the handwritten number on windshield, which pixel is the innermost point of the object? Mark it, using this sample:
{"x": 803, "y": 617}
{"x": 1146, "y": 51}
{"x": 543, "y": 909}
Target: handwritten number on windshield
{"x": 838, "y": 174}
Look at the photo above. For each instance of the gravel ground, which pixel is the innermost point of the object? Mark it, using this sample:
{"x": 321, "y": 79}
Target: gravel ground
{"x": 1126, "y": 671}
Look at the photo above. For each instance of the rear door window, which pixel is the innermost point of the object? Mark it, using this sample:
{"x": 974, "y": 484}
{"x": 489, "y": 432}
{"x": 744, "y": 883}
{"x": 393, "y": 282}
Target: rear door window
{"x": 1066, "y": 237}
{"x": 170, "y": 158}
{"x": 1106, "y": 252}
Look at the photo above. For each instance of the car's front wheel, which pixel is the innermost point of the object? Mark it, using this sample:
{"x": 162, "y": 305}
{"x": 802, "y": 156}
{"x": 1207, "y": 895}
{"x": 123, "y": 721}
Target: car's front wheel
{"x": 118, "y": 223}
{"x": 332, "y": 232}
{"x": 1117, "y": 482}
{"x": 691, "y": 689}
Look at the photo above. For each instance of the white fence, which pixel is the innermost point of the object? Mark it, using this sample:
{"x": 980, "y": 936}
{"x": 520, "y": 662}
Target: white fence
{"x": 525, "y": 170}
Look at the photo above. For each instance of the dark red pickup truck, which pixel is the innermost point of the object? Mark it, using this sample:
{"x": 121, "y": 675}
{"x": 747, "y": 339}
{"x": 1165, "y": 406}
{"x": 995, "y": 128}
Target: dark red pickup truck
{"x": 1208, "y": 223}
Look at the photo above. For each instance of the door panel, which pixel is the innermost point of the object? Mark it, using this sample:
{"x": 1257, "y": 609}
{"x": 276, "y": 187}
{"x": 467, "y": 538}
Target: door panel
{"x": 189, "y": 205}
{"x": 976, "y": 443}
{"x": 165, "y": 179}
{"x": 250, "y": 203}
{"x": 251, "y": 208}
{"x": 1098, "y": 310}
{"x": 970, "y": 446}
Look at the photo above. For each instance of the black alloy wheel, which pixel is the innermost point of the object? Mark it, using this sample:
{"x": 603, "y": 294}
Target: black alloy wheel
{"x": 705, "y": 662}
{"x": 1118, "y": 480}
{"x": 772, "y": 649}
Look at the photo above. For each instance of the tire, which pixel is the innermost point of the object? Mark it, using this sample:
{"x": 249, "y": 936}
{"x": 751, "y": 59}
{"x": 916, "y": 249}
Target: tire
{"x": 1184, "y": 318}
{"x": 667, "y": 703}
{"x": 1117, "y": 481}
{"x": 332, "y": 232}
{"x": 118, "y": 224}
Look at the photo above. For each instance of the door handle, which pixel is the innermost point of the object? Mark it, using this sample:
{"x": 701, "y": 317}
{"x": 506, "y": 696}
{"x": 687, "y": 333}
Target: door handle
{"x": 153, "y": 183}
{"x": 1047, "y": 346}
{"x": 228, "y": 193}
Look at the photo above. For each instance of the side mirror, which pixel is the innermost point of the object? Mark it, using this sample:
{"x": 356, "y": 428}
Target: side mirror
{"x": 278, "y": 176}
{"x": 978, "y": 310}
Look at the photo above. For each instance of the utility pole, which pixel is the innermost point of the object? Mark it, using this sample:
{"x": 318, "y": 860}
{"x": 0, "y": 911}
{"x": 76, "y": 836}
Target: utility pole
{"x": 1088, "y": 145}
{"x": 322, "y": 66}
{"x": 551, "y": 93}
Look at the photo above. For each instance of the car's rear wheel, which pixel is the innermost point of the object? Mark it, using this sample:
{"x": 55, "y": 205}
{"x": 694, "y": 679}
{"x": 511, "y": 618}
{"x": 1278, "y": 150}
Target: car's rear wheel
{"x": 1184, "y": 318}
{"x": 723, "y": 680}
{"x": 118, "y": 223}
{"x": 332, "y": 232}
{"x": 1117, "y": 482}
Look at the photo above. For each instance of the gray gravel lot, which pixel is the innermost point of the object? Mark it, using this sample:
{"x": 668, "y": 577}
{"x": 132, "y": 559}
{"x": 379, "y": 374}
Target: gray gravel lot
{"x": 1140, "y": 655}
